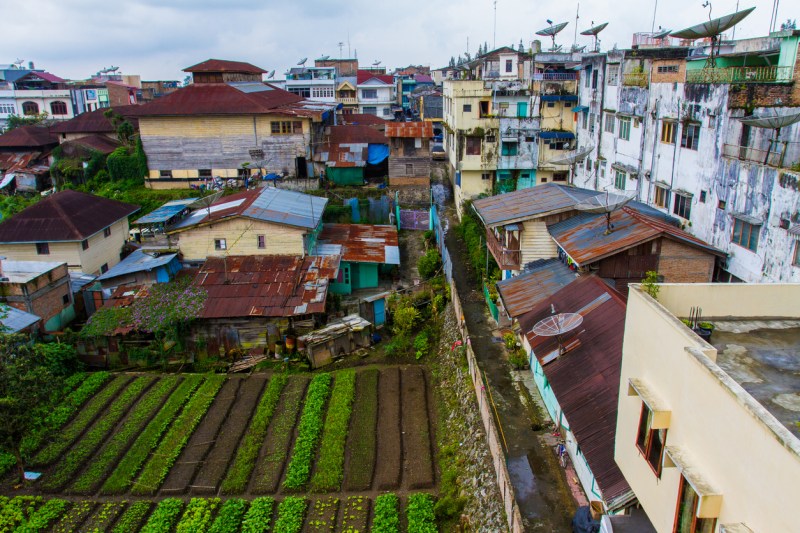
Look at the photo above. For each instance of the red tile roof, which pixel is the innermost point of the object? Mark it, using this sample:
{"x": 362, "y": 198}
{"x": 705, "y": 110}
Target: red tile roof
{"x": 266, "y": 285}
{"x": 586, "y": 379}
{"x": 95, "y": 121}
{"x": 364, "y": 76}
{"x": 362, "y": 243}
{"x": 223, "y": 65}
{"x": 421, "y": 130}
{"x": 64, "y": 216}
{"x": 28, "y": 137}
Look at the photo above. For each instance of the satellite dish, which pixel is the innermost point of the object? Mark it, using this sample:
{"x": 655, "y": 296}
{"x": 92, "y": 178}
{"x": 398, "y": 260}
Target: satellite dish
{"x": 604, "y": 204}
{"x": 557, "y": 325}
{"x": 775, "y": 122}
{"x": 376, "y": 63}
{"x": 271, "y": 75}
{"x": 324, "y": 58}
{"x": 302, "y": 61}
{"x": 713, "y": 28}
{"x": 206, "y": 201}
{"x": 575, "y": 157}
{"x": 576, "y": 48}
{"x": 593, "y": 31}
{"x": 552, "y": 31}
{"x": 660, "y": 34}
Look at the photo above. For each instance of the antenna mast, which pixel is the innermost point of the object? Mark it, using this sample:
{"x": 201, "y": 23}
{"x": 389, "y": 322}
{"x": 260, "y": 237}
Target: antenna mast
{"x": 653, "y": 26}
{"x": 577, "y": 16}
{"x": 494, "y": 34}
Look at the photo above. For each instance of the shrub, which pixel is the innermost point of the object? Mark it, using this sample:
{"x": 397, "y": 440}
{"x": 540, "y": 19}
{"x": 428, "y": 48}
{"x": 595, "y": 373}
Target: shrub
{"x": 387, "y": 514}
{"x": 330, "y": 464}
{"x": 308, "y": 433}
{"x": 420, "y": 513}
{"x": 429, "y": 264}
{"x": 230, "y": 516}
{"x": 421, "y": 344}
{"x": 164, "y": 516}
{"x": 60, "y": 358}
{"x": 291, "y": 512}
{"x": 471, "y": 231}
{"x": 518, "y": 360}
{"x": 397, "y": 346}
{"x": 259, "y": 516}
{"x": 509, "y": 340}
{"x": 404, "y": 318}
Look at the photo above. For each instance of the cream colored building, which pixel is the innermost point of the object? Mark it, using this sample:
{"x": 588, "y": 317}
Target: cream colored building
{"x": 712, "y": 425}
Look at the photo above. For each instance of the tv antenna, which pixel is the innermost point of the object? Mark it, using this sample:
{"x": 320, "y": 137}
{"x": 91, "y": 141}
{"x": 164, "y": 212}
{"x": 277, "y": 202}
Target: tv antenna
{"x": 593, "y": 31}
{"x": 712, "y": 29}
{"x": 552, "y": 31}
{"x": 557, "y": 325}
{"x": 604, "y": 204}
{"x": 775, "y": 122}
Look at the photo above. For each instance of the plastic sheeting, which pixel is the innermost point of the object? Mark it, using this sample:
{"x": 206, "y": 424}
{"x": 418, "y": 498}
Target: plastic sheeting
{"x": 377, "y": 153}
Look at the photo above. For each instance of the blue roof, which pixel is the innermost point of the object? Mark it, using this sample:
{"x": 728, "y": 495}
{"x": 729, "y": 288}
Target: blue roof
{"x": 166, "y": 211}
{"x": 556, "y": 135}
{"x": 16, "y": 320}
{"x": 561, "y": 97}
{"x": 137, "y": 262}
{"x": 287, "y": 207}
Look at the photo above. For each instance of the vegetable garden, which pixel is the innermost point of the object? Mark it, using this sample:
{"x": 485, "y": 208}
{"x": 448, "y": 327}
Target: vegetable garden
{"x": 351, "y": 450}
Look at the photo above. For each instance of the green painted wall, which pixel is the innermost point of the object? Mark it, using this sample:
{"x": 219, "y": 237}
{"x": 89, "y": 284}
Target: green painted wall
{"x": 346, "y": 176}
{"x": 344, "y": 286}
{"x": 365, "y": 275}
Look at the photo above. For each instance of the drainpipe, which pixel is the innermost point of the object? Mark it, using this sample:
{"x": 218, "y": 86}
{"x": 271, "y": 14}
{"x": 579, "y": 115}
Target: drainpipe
{"x": 600, "y": 122}
{"x": 674, "y": 152}
{"x": 640, "y": 177}
{"x": 653, "y": 157}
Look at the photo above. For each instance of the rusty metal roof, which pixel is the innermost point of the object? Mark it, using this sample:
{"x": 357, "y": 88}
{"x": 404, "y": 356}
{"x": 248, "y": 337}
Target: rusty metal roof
{"x": 223, "y": 65}
{"x": 28, "y": 137}
{"x": 265, "y": 285}
{"x": 540, "y": 280}
{"x": 95, "y": 121}
{"x": 421, "y": 130}
{"x": 27, "y": 162}
{"x": 363, "y": 119}
{"x": 583, "y": 236}
{"x": 348, "y": 146}
{"x": 363, "y": 243}
{"x": 585, "y": 379}
{"x": 93, "y": 141}
{"x": 64, "y": 216}
{"x": 527, "y": 204}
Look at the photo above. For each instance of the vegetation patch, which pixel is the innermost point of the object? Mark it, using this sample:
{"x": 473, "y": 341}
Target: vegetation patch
{"x": 419, "y": 513}
{"x": 362, "y": 439}
{"x": 230, "y": 516}
{"x": 133, "y": 517}
{"x": 164, "y": 516}
{"x": 291, "y": 513}
{"x": 330, "y": 464}
{"x": 198, "y": 515}
{"x": 259, "y": 515}
{"x": 44, "y": 517}
{"x": 387, "y": 514}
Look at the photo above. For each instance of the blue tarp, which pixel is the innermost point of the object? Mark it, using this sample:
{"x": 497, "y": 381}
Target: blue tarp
{"x": 377, "y": 153}
{"x": 561, "y": 97}
{"x": 556, "y": 135}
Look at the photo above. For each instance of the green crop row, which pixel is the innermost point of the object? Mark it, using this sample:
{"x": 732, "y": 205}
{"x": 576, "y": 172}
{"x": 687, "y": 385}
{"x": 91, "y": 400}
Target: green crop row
{"x": 363, "y": 433}
{"x": 74, "y": 517}
{"x": 387, "y": 514}
{"x": 197, "y": 516}
{"x": 121, "y": 478}
{"x": 230, "y": 516}
{"x": 138, "y": 417}
{"x": 164, "y": 516}
{"x": 259, "y": 515}
{"x": 330, "y": 464}
{"x": 239, "y": 473}
{"x": 17, "y": 510}
{"x": 291, "y": 512}
{"x": 94, "y": 437}
{"x": 103, "y": 517}
{"x": 420, "y": 515}
{"x": 308, "y": 433}
{"x": 64, "y": 438}
{"x": 44, "y": 517}
{"x": 156, "y": 469}
{"x": 132, "y": 518}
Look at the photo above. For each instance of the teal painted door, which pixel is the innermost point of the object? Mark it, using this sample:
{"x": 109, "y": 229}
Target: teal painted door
{"x": 522, "y": 109}
{"x": 379, "y": 308}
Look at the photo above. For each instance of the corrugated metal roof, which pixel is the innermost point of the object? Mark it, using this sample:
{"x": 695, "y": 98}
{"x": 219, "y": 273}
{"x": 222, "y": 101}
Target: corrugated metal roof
{"x": 16, "y": 320}
{"x": 27, "y": 163}
{"x": 585, "y": 379}
{"x": 28, "y": 137}
{"x": 95, "y": 121}
{"x": 535, "y": 202}
{"x": 95, "y": 141}
{"x": 138, "y": 261}
{"x": 334, "y": 329}
{"x": 265, "y": 285}
{"x": 64, "y": 216}
{"x": 584, "y": 237}
{"x": 420, "y": 130}
{"x": 287, "y": 207}
{"x": 166, "y": 211}
{"x": 363, "y": 243}
{"x": 223, "y": 65}
{"x": 540, "y": 280}
{"x": 78, "y": 280}
{"x": 348, "y": 146}
{"x": 363, "y": 119}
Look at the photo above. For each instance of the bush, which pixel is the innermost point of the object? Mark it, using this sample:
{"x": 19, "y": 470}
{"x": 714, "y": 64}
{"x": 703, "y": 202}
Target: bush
{"x": 230, "y": 516}
{"x": 60, "y": 358}
{"x": 471, "y": 230}
{"x": 421, "y": 345}
{"x": 429, "y": 264}
{"x": 197, "y": 516}
{"x": 398, "y": 346}
{"x": 518, "y": 360}
{"x": 404, "y": 319}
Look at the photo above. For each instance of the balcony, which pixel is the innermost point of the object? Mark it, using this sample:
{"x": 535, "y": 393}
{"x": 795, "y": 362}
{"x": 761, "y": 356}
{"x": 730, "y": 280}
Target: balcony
{"x": 773, "y": 158}
{"x": 740, "y": 75}
{"x": 347, "y": 100}
{"x": 635, "y": 79}
{"x": 506, "y": 259}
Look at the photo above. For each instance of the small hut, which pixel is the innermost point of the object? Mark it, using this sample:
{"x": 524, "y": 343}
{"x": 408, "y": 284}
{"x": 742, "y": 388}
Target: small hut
{"x": 339, "y": 338}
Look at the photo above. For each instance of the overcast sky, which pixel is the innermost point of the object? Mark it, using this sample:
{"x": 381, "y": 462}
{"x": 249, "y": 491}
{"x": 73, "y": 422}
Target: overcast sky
{"x": 158, "y": 38}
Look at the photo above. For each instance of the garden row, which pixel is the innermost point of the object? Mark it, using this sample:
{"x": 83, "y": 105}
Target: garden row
{"x": 387, "y": 513}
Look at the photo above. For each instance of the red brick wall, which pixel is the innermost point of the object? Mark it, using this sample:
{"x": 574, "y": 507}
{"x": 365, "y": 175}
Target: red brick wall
{"x": 766, "y": 94}
{"x": 680, "y": 263}
{"x": 53, "y": 286}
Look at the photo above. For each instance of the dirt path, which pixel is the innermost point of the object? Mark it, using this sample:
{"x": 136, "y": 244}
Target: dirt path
{"x": 540, "y": 489}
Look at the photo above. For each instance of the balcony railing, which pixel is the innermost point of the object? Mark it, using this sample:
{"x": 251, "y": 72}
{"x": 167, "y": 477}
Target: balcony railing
{"x": 506, "y": 259}
{"x": 740, "y": 75}
{"x": 347, "y": 100}
{"x": 555, "y": 76}
{"x": 774, "y": 157}
{"x": 635, "y": 79}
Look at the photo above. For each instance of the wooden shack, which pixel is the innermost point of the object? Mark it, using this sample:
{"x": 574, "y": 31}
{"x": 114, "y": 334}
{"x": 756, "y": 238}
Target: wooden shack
{"x": 339, "y": 338}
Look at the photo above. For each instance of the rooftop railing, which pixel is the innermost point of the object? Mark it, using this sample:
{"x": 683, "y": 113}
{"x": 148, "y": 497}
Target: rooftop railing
{"x": 772, "y": 74}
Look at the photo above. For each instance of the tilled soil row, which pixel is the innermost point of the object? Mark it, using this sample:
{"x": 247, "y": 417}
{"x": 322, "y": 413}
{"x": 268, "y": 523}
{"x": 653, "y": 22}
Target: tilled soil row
{"x": 191, "y": 458}
{"x": 216, "y": 464}
{"x": 390, "y": 452}
{"x": 360, "y": 450}
{"x": 418, "y": 464}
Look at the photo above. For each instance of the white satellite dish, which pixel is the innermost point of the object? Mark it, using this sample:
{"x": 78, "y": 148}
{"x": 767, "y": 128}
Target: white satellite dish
{"x": 593, "y": 31}
{"x": 772, "y": 121}
{"x": 575, "y": 157}
{"x": 604, "y": 204}
{"x": 302, "y": 61}
{"x": 552, "y": 31}
{"x": 713, "y": 28}
{"x": 271, "y": 75}
{"x": 557, "y": 325}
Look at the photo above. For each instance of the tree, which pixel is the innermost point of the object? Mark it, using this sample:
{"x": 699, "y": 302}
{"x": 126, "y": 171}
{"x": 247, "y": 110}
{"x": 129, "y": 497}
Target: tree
{"x": 16, "y": 121}
{"x": 26, "y": 391}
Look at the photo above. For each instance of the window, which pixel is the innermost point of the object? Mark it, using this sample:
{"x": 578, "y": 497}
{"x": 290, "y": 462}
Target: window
{"x": 662, "y": 197}
{"x": 686, "y": 520}
{"x": 286, "y": 127}
{"x": 745, "y": 234}
{"x": 551, "y": 104}
{"x": 42, "y": 248}
{"x": 58, "y": 108}
{"x": 509, "y": 148}
{"x": 620, "y": 179}
{"x": 65, "y": 299}
{"x": 484, "y": 107}
{"x": 610, "y": 119}
{"x": 204, "y": 172}
{"x": 261, "y": 240}
{"x": 369, "y": 94}
{"x": 486, "y": 176}
{"x": 591, "y": 122}
{"x": 322, "y": 92}
{"x": 651, "y": 442}
{"x": 473, "y": 146}
{"x": 370, "y": 110}
{"x": 683, "y": 206}
{"x": 560, "y": 176}
{"x": 164, "y": 173}
{"x": 104, "y": 268}
{"x": 702, "y": 197}
{"x": 587, "y": 77}
{"x": 625, "y": 128}
{"x": 30, "y": 108}
{"x": 585, "y": 121}
{"x": 305, "y": 92}
{"x": 490, "y": 138}
{"x": 386, "y": 112}
{"x": 509, "y": 65}
{"x": 559, "y": 145}
{"x": 107, "y": 232}
{"x": 667, "y": 69}
{"x": 668, "y": 131}
{"x": 344, "y": 275}
{"x": 409, "y": 169}
{"x": 613, "y": 75}
{"x": 690, "y": 136}
{"x": 7, "y": 109}
{"x": 722, "y": 204}
{"x": 594, "y": 79}
{"x": 796, "y": 255}
{"x": 220, "y": 244}
{"x": 85, "y": 244}
{"x": 467, "y": 108}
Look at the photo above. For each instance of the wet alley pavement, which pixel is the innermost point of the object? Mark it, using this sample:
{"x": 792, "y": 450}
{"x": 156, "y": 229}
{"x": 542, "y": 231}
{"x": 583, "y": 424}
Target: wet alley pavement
{"x": 541, "y": 489}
